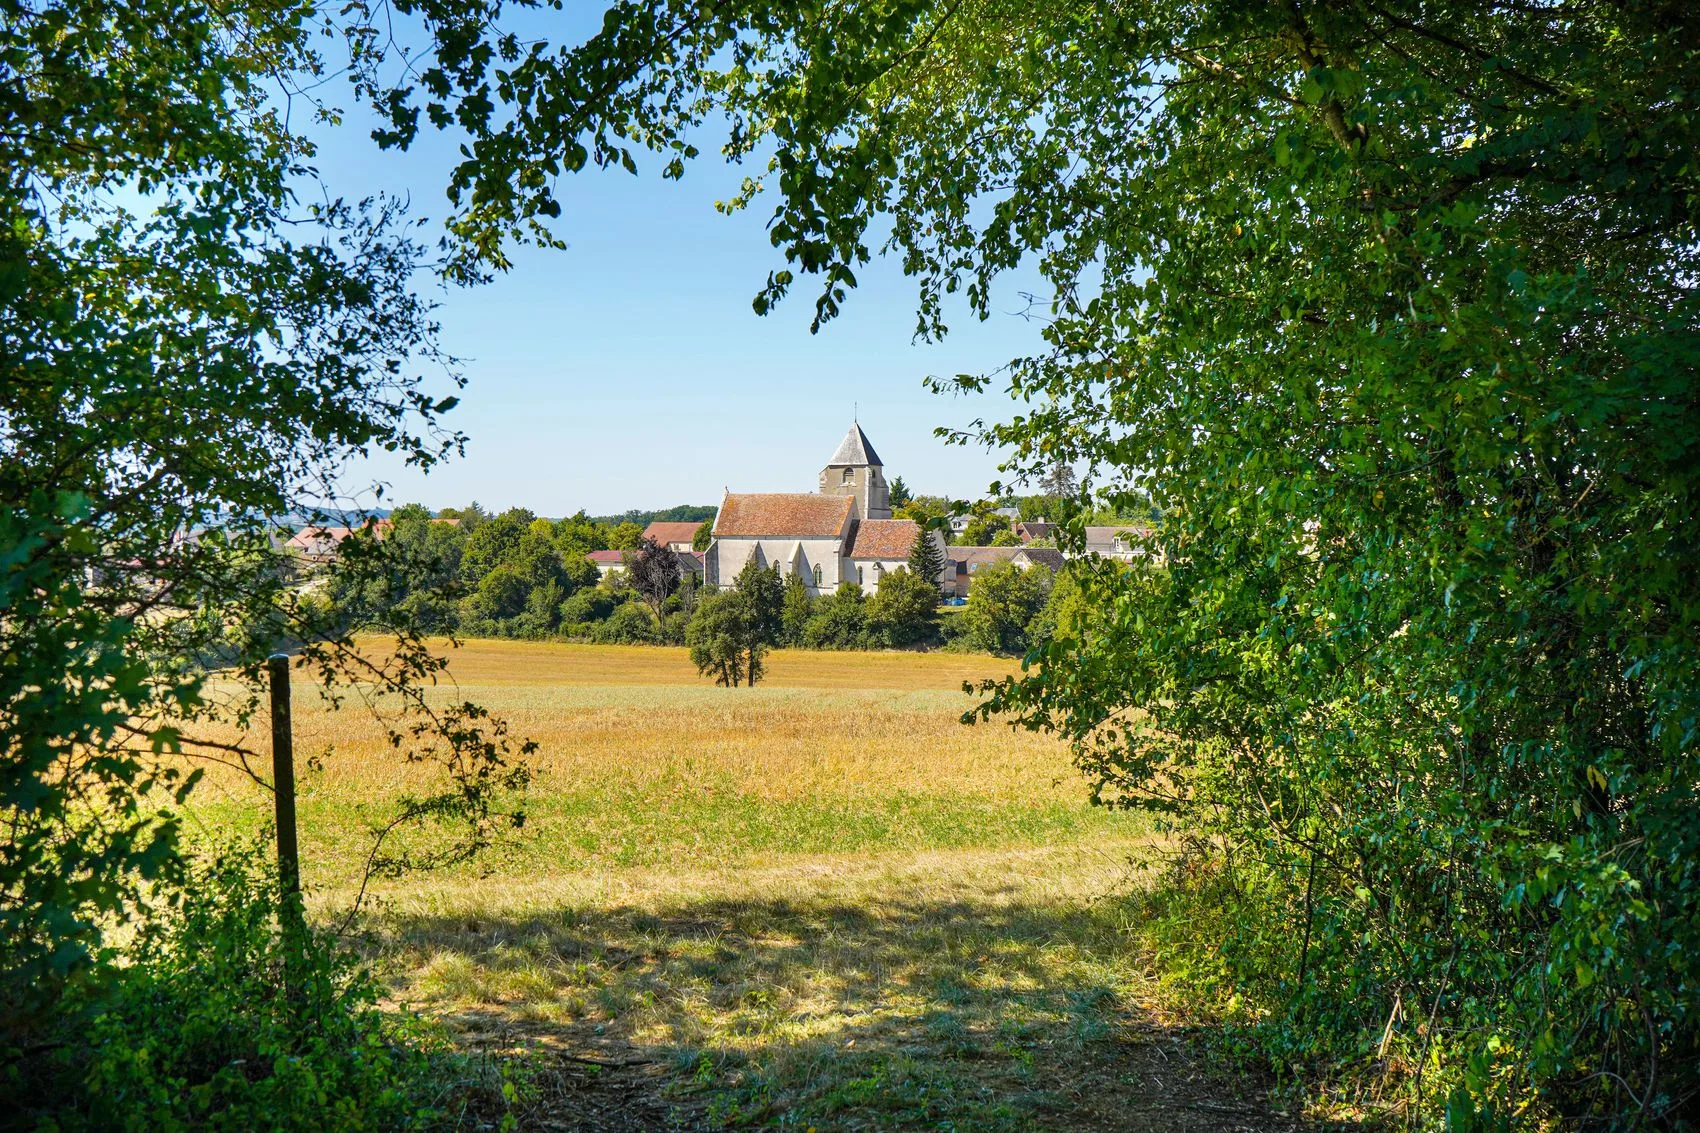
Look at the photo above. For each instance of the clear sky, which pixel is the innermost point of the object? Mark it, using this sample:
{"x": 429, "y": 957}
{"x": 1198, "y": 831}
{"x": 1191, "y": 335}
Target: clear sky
{"x": 629, "y": 370}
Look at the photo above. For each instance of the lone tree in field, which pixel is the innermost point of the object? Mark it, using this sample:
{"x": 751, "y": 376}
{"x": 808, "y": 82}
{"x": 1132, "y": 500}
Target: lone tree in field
{"x": 732, "y": 630}
{"x": 654, "y": 573}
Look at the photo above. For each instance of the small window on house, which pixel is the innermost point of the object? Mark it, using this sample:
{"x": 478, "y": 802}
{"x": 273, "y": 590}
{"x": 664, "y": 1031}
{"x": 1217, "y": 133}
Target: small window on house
{"x": 817, "y": 575}
{"x": 859, "y": 579}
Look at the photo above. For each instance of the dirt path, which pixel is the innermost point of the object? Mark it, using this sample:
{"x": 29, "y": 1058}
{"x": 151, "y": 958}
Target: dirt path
{"x": 974, "y": 990}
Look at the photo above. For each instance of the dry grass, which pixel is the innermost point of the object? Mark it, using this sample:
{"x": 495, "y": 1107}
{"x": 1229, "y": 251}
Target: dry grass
{"x": 642, "y": 762}
{"x": 821, "y": 903}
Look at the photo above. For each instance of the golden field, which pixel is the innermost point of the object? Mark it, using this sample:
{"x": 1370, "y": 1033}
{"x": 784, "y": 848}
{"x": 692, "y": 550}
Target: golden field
{"x": 820, "y": 903}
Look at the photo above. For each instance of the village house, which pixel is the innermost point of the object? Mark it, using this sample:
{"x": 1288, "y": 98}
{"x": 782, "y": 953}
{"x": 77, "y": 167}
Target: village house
{"x": 963, "y": 563}
{"x": 842, "y": 533}
{"x": 1119, "y": 542}
{"x": 675, "y": 536}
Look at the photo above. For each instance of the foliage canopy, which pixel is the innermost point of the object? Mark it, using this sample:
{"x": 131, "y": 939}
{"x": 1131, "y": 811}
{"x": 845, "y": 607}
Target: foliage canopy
{"x": 1390, "y": 309}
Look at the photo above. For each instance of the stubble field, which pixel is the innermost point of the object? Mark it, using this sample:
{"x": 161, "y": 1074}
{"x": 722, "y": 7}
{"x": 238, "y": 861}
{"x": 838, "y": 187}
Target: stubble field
{"x": 820, "y": 903}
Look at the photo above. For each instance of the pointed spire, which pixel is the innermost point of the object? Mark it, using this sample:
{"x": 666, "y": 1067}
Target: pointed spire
{"x": 856, "y": 449}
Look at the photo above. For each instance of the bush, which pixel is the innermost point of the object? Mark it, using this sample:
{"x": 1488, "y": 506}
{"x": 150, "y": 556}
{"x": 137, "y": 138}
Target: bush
{"x": 198, "y": 1032}
{"x": 630, "y": 624}
{"x": 839, "y": 621}
{"x": 592, "y": 605}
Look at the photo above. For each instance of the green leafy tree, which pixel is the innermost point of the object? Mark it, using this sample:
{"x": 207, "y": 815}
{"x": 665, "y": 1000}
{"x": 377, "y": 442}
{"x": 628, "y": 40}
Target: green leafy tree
{"x": 410, "y": 577}
{"x": 494, "y": 542}
{"x": 1002, "y": 600}
{"x": 840, "y": 620}
{"x": 626, "y": 537}
{"x": 904, "y": 610}
{"x": 1390, "y": 308}
{"x": 899, "y": 493}
{"x": 578, "y": 534}
{"x": 196, "y": 338}
{"x": 704, "y": 536}
{"x": 984, "y": 529}
{"x": 721, "y": 639}
{"x": 731, "y": 630}
{"x": 799, "y": 607}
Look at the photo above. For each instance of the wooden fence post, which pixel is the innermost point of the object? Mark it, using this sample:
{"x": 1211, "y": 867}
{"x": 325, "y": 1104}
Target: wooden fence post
{"x": 291, "y": 916}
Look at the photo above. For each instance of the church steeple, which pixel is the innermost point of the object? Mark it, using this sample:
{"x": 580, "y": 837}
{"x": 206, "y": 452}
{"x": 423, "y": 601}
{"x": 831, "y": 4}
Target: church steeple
{"x": 855, "y": 470}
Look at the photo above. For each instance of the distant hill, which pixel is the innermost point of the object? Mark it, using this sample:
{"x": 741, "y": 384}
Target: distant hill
{"x": 684, "y": 513}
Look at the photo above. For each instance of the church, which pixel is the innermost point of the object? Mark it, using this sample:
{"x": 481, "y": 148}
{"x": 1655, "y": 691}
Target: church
{"x": 842, "y": 533}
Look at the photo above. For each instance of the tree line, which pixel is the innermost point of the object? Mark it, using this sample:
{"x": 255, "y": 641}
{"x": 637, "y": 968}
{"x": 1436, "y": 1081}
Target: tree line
{"x": 517, "y": 575}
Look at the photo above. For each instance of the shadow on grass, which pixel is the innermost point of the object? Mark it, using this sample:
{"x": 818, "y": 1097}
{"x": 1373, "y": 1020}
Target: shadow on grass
{"x": 990, "y": 1013}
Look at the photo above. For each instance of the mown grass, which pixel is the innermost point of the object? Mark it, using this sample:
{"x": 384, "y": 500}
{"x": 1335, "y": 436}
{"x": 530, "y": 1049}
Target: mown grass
{"x": 823, "y": 902}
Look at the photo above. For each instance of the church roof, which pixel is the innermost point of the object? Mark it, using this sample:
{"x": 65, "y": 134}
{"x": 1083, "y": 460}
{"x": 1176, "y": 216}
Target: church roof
{"x": 855, "y": 449}
{"x": 783, "y": 513}
{"x": 886, "y": 539}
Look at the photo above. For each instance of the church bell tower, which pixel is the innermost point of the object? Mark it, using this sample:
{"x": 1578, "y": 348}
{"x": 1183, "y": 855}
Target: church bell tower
{"x": 855, "y": 470}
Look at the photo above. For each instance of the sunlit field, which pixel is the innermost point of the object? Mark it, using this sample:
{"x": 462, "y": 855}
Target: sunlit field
{"x": 820, "y": 902}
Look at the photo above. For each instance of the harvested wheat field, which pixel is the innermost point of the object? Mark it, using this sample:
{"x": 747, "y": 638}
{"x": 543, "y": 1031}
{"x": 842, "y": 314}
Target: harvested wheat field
{"x": 820, "y": 903}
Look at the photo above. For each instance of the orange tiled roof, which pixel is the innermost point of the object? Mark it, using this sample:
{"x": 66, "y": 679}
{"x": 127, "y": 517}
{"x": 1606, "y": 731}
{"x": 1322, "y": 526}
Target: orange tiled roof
{"x": 665, "y": 531}
{"x": 884, "y": 539}
{"x": 783, "y": 513}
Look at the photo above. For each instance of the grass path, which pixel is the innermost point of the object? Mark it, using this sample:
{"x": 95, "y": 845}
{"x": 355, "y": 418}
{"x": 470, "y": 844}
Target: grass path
{"x": 960, "y": 990}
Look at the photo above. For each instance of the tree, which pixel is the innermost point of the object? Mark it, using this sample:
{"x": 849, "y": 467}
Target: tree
{"x": 704, "y": 536}
{"x": 654, "y": 573}
{"x": 899, "y": 493}
{"x": 494, "y": 542}
{"x": 1390, "y": 308}
{"x": 720, "y": 637}
{"x": 196, "y": 338}
{"x": 410, "y": 577}
{"x": 1058, "y": 485}
{"x": 1002, "y": 601}
{"x": 926, "y": 560}
{"x": 731, "y": 630}
{"x": 799, "y": 607}
{"x": 625, "y": 537}
{"x": 765, "y": 594}
{"x": 839, "y": 621}
{"x": 983, "y": 529}
{"x": 904, "y": 610}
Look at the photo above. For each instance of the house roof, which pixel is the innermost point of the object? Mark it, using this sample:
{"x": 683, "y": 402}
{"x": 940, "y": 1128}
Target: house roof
{"x": 1031, "y": 529}
{"x": 783, "y": 513}
{"x": 884, "y": 539}
{"x": 855, "y": 449}
{"x": 1111, "y": 533}
{"x": 665, "y": 531}
{"x": 310, "y": 538}
{"x": 972, "y": 558}
{"x": 606, "y": 556}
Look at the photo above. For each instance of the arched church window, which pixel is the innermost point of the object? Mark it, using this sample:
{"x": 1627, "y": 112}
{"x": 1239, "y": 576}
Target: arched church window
{"x": 849, "y": 475}
{"x": 817, "y": 574}
{"x": 859, "y": 578}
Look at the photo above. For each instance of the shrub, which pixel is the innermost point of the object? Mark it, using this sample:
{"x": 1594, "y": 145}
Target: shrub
{"x": 839, "y": 621}
{"x": 586, "y": 606}
{"x": 197, "y": 1031}
{"x": 630, "y": 624}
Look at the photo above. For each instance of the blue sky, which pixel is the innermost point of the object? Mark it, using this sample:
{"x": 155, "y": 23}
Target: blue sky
{"x": 629, "y": 370}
